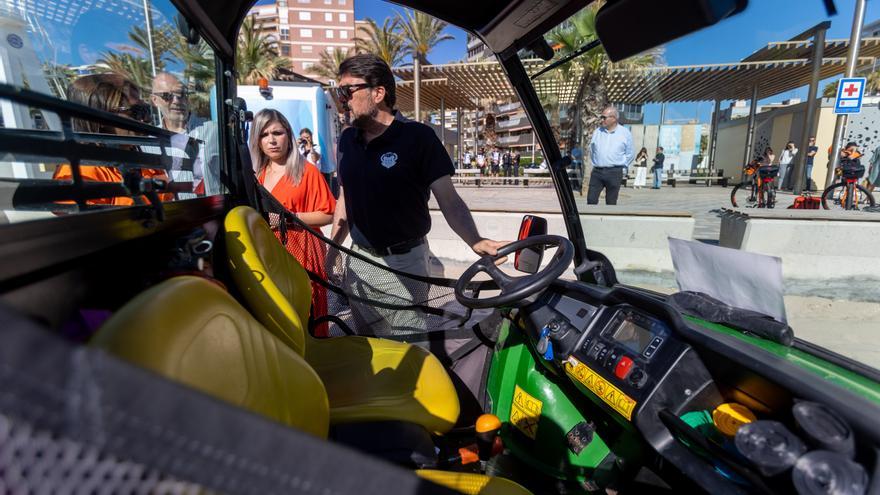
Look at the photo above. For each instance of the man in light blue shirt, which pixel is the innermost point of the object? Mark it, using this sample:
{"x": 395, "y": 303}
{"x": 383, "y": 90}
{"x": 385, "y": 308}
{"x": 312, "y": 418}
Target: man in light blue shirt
{"x": 611, "y": 151}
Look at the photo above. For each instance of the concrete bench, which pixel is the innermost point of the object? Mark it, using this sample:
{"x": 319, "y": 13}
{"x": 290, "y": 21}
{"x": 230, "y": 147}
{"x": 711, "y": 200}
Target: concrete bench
{"x": 633, "y": 239}
{"x": 813, "y": 244}
{"x": 535, "y": 176}
{"x": 467, "y": 176}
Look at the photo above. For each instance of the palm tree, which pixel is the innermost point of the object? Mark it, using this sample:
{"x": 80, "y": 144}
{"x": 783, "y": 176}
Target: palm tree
{"x": 198, "y": 72}
{"x": 421, "y": 33}
{"x": 830, "y": 90}
{"x": 328, "y": 65}
{"x": 60, "y": 77}
{"x": 136, "y": 69}
{"x": 593, "y": 66}
{"x": 165, "y": 38}
{"x": 384, "y": 42}
{"x": 256, "y": 56}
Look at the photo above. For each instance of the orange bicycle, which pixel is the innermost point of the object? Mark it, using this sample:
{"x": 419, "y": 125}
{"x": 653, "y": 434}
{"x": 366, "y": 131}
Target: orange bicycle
{"x": 847, "y": 194}
{"x": 758, "y": 190}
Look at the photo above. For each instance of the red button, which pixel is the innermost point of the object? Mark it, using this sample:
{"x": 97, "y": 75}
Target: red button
{"x": 623, "y": 367}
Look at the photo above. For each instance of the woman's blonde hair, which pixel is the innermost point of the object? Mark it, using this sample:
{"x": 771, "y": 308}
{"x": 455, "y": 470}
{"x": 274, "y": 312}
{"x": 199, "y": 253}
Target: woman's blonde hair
{"x": 295, "y": 164}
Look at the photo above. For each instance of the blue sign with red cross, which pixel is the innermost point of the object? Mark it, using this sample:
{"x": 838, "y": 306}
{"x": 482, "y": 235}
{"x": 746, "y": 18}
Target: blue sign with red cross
{"x": 849, "y": 95}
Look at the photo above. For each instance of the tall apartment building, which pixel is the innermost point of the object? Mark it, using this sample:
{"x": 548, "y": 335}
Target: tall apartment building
{"x": 477, "y": 51}
{"x": 305, "y": 28}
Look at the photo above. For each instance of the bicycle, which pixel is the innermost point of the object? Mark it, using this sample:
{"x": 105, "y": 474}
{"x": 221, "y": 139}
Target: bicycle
{"x": 757, "y": 192}
{"x": 847, "y": 194}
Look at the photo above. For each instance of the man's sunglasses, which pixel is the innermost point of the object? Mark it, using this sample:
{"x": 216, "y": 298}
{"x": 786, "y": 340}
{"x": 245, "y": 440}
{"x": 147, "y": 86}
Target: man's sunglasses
{"x": 345, "y": 92}
{"x": 139, "y": 111}
{"x": 168, "y": 97}
{"x": 603, "y": 117}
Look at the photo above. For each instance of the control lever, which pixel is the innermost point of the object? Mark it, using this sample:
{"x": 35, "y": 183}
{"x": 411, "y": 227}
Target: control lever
{"x": 488, "y": 442}
{"x": 488, "y": 426}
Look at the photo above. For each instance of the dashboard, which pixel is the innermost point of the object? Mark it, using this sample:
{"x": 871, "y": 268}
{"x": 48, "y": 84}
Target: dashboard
{"x": 629, "y": 360}
{"x": 636, "y": 359}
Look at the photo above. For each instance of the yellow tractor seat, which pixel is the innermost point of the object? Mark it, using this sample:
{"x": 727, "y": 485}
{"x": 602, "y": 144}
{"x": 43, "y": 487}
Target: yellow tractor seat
{"x": 473, "y": 483}
{"x": 366, "y": 379}
{"x": 191, "y": 331}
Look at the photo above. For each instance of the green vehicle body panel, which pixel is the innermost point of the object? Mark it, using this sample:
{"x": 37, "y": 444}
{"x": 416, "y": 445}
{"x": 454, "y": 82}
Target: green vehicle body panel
{"x": 832, "y": 373}
{"x": 513, "y": 364}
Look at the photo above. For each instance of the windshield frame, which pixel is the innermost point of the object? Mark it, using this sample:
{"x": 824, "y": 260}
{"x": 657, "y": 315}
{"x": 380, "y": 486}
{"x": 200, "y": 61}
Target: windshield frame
{"x": 590, "y": 266}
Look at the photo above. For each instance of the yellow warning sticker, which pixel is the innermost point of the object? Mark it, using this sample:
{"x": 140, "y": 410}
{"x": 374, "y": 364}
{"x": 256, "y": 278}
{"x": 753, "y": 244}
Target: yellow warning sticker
{"x": 525, "y": 412}
{"x": 610, "y": 394}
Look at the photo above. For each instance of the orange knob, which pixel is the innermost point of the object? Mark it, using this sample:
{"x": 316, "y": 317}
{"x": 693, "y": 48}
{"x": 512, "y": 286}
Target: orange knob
{"x": 487, "y": 423}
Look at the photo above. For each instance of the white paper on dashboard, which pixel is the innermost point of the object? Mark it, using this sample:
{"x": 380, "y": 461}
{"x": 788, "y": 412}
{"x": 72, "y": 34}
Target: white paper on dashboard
{"x": 738, "y": 278}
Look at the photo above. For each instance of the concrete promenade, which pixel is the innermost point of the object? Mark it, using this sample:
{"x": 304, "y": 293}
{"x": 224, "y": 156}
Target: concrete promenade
{"x": 842, "y": 315}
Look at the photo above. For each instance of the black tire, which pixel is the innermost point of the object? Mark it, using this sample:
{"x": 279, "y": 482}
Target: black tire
{"x": 744, "y": 195}
{"x": 831, "y": 197}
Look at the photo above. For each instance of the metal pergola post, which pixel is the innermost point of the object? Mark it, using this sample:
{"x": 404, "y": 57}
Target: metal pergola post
{"x": 852, "y": 57}
{"x": 713, "y": 135}
{"x": 417, "y": 82}
{"x": 811, "y": 117}
{"x": 660, "y": 125}
{"x": 459, "y": 140}
{"x": 443, "y": 121}
{"x": 476, "y": 131}
{"x": 750, "y": 130}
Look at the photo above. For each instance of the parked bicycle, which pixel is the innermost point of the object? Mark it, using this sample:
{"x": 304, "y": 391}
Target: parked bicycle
{"x": 758, "y": 190}
{"x": 848, "y": 194}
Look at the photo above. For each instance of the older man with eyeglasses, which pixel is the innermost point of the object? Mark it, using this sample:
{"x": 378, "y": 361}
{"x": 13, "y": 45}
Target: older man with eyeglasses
{"x": 171, "y": 97}
{"x": 611, "y": 151}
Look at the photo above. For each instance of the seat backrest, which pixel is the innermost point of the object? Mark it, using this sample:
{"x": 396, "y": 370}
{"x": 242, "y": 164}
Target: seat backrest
{"x": 190, "y": 330}
{"x": 271, "y": 280}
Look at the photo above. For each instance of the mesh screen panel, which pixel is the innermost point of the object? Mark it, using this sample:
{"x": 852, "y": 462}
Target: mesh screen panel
{"x": 38, "y": 462}
{"x": 366, "y": 296}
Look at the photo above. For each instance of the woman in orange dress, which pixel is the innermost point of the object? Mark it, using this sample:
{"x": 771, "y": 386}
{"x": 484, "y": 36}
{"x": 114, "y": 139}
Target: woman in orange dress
{"x": 115, "y": 94}
{"x": 300, "y": 187}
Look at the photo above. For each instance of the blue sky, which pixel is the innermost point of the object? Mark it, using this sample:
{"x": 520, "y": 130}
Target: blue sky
{"x": 729, "y": 41}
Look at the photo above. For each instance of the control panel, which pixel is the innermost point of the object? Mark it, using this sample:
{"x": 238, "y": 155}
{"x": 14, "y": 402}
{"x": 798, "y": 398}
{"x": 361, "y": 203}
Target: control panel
{"x": 627, "y": 353}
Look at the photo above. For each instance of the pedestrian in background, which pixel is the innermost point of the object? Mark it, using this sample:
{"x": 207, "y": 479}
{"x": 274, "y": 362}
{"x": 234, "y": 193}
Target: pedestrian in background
{"x": 812, "y": 149}
{"x": 507, "y": 166}
{"x": 768, "y": 158}
{"x": 611, "y": 151}
{"x": 481, "y": 162}
{"x": 873, "y": 179}
{"x": 657, "y": 169}
{"x": 516, "y": 158}
{"x": 785, "y": 160}
{"x": 641, "y": 169}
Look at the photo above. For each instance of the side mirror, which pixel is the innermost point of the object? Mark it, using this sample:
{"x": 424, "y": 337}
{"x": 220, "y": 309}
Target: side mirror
{"x": 528, "y": 260}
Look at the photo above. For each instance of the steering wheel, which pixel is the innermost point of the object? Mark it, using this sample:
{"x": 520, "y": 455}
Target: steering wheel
{"x": 514, "y": 290}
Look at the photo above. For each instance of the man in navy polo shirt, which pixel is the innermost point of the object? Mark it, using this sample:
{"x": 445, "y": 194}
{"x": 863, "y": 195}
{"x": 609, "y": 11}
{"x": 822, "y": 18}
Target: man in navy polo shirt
{"x": 388, "y": 168}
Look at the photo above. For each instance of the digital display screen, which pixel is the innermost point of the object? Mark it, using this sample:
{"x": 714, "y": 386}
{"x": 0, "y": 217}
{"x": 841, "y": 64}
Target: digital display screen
{"x": 632, "y": 336}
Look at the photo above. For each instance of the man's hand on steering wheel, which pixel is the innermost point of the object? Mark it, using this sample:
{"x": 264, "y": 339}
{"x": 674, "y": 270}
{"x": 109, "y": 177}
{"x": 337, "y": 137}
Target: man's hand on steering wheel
{"x": 514, "y": 291}
{"x": 490, "y": 247}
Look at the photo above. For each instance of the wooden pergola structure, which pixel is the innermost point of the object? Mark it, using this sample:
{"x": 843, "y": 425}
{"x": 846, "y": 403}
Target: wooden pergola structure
{"x": 776, "y": 68}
